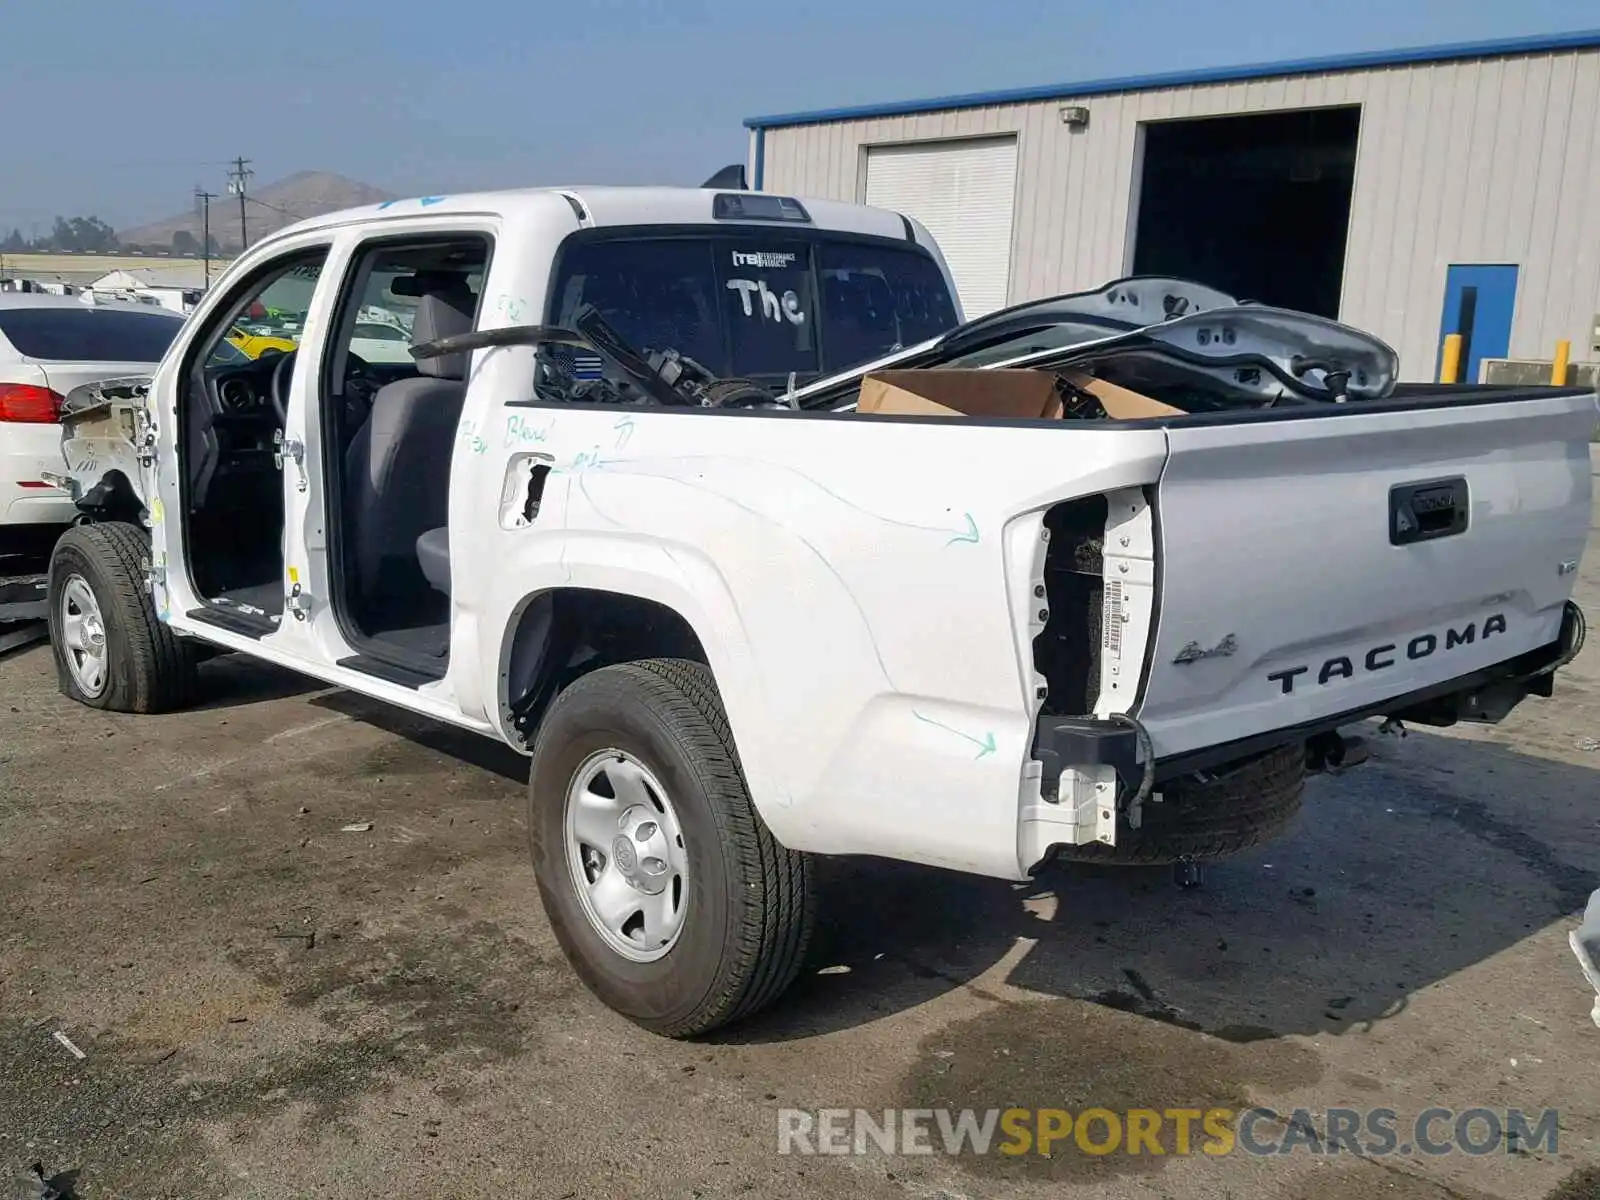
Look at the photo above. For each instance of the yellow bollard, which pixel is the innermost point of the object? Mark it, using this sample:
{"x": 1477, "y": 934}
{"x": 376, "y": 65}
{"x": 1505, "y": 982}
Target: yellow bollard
{"x": 1558, "y": 369}
{"x": 1450, "y": 368}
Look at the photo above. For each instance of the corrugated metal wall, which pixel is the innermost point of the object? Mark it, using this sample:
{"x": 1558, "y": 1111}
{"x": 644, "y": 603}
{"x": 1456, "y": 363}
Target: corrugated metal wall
{"x": 1481, "y": 161}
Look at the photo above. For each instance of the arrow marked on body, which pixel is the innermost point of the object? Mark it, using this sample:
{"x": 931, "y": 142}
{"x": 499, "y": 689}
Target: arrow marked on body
{"x": 969, "y": 535}
{"x": 624, "y": 428}
{"x": 985, "y": 745}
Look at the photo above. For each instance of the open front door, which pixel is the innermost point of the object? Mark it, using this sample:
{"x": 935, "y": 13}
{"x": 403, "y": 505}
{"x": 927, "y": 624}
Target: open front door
{"x": 216, "y": 442}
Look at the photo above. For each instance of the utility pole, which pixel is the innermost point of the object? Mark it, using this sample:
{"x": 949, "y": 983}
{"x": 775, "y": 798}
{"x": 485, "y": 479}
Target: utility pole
{"x": 202, "y": 200}
{"x": 238, "y": 180}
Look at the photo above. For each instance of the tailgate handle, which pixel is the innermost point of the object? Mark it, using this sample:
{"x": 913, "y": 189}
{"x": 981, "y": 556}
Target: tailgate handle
{"x": 1421, "y": 512}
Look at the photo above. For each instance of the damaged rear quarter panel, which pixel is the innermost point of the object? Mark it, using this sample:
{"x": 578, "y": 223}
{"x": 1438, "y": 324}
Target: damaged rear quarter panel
{"x": 850, "y": 580}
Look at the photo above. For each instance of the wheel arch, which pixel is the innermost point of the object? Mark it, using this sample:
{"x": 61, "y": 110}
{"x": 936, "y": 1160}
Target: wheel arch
{"x": 555, "y": 636}
{"x": 114, "y": 497}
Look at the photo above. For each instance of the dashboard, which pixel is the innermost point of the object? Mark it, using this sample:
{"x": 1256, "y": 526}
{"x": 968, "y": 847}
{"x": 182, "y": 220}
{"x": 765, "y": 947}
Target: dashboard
{"x": 234, "y": 420}
{"x": 246, "y": 389}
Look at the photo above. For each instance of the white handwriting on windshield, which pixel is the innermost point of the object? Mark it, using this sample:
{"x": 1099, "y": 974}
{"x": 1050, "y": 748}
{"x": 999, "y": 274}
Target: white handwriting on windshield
{"x": 773, "y": 306}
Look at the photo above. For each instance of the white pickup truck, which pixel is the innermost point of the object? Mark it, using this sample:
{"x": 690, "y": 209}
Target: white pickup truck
{"x": 710, "y": 502}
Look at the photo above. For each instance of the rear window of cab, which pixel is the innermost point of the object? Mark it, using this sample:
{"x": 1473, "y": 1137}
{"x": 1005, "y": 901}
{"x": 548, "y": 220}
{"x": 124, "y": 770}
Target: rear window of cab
{"x": 755, "y": 304}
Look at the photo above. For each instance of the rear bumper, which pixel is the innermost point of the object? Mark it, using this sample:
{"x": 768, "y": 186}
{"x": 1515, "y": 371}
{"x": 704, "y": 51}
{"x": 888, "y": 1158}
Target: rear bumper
{"x": 1485, "y": 696}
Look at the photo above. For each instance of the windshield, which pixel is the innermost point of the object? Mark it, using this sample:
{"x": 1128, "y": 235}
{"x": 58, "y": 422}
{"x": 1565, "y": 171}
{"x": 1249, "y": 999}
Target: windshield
{"x": 755, "y": 304}
{"x": 89, "y": 334}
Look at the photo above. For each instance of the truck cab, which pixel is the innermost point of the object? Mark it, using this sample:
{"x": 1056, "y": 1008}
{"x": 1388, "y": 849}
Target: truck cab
{"x": 300, "y": 503}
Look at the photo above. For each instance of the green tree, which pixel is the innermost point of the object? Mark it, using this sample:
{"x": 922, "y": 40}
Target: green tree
{"x": 76, "y": 235}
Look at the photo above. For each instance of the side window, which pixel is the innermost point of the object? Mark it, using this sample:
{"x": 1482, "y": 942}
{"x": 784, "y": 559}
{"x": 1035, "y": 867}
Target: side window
{"x": 399, "y": 292}
{"x": 269, "y": 316}
{"x": 388, "y": 286}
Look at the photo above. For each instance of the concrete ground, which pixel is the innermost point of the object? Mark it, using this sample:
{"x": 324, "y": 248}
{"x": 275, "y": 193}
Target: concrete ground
{"x": 269, "y": 1006}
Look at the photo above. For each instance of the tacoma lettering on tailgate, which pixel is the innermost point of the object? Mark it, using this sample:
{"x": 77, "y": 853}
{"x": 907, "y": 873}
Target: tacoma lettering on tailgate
{"x": 1380, "y": 658}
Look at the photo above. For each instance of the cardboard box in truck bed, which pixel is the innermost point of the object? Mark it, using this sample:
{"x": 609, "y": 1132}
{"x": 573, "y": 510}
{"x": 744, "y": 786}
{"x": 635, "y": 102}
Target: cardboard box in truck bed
{"x": 1022, "y": 394}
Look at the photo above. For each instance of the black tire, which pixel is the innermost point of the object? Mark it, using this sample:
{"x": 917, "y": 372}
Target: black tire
{"x": 1254, "y": 803}
{"x": 750, "y": 908}
{"x": 148, "y": 668}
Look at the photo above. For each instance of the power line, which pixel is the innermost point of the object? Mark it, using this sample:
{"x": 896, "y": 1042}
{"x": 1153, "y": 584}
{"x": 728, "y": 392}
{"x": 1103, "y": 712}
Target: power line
{"x": 238, "y": 181}
{"x": 288, "y": 212}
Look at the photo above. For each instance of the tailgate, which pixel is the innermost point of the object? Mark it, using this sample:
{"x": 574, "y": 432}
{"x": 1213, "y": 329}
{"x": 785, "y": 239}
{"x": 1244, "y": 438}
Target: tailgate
{"x": 1313, "y": 567}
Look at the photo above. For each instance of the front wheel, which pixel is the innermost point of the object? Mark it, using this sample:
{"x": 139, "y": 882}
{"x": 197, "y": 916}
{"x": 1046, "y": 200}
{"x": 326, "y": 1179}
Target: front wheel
{"x": 667, "y": 893}
{"x": 111, "y": 649}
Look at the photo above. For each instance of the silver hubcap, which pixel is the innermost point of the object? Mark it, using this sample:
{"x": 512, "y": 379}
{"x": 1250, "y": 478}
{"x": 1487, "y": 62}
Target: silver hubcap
{"x": 625, "y": 850}
{"x": 83, "y": 636}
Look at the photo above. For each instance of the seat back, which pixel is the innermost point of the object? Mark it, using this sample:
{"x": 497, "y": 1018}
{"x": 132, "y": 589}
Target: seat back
{"x": 397, "y": 467}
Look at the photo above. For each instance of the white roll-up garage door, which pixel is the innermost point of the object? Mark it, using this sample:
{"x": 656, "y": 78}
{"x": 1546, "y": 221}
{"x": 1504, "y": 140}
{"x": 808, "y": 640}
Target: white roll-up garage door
{"x": 963, "y": 191}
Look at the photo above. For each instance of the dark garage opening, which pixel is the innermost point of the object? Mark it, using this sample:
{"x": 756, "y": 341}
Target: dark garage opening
{"x": 1258, "y": 206}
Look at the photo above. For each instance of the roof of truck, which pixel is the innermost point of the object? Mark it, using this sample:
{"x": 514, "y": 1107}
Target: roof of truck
{"x": 616, "y": 206}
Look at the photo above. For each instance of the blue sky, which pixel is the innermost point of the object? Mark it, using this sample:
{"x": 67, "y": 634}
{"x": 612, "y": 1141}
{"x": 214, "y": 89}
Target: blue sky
{"x": 120, "y": 109}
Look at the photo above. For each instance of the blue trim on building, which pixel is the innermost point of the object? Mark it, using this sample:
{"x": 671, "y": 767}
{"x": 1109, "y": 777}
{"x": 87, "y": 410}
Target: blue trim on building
{"x": 1539, "y": 43}
{"x": 761, "y": 159}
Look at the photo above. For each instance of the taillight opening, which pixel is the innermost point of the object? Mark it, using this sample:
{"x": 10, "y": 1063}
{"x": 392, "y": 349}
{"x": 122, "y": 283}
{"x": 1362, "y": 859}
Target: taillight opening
{"x": 1067, "y": 650}
{"x": 29, "y": 404}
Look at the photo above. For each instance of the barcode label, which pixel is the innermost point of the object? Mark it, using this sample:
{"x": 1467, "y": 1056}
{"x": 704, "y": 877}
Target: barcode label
{"x": 1112, "y": 636}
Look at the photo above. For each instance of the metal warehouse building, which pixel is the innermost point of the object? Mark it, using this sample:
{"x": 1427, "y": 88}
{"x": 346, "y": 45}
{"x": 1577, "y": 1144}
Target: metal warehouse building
{"x": 1412, "y": 193}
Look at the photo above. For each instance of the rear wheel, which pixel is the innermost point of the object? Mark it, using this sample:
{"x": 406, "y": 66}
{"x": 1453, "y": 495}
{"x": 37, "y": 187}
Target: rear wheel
{"x": 112, "y": 650}
{"x": 669, "y": 896}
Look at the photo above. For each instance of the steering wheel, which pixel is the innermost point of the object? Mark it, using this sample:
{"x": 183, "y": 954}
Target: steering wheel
{"x": 356, "y": 370}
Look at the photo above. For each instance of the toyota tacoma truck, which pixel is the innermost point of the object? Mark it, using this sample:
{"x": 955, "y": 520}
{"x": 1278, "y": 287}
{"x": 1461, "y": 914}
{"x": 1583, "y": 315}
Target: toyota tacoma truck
{"x": 711, "y": 503}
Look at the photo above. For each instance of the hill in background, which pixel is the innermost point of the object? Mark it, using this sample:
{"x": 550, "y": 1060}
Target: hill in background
{"x": 268, "y": 208}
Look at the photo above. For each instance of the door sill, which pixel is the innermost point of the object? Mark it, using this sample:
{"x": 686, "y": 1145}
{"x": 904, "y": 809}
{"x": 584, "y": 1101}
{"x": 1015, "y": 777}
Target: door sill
{"x": 246, "y": 624}
{"x": 390, "y": 672}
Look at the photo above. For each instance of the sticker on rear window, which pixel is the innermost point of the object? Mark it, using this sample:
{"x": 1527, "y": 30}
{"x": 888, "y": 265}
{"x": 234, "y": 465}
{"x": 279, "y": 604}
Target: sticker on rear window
{"x": 769, "y": 259}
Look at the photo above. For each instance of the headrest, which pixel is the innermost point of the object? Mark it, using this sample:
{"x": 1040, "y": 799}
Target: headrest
{"x": 425, "y": 281}
{"x": 442, "y": 315}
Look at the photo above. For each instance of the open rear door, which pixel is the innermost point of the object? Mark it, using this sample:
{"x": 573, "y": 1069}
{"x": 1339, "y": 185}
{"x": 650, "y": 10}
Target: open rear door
{"x": 1319, "y": 566}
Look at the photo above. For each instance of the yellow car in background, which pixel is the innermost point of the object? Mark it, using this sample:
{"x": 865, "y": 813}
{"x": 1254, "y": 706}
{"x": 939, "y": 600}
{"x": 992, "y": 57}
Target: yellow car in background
{"x": 254, "y": 345}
